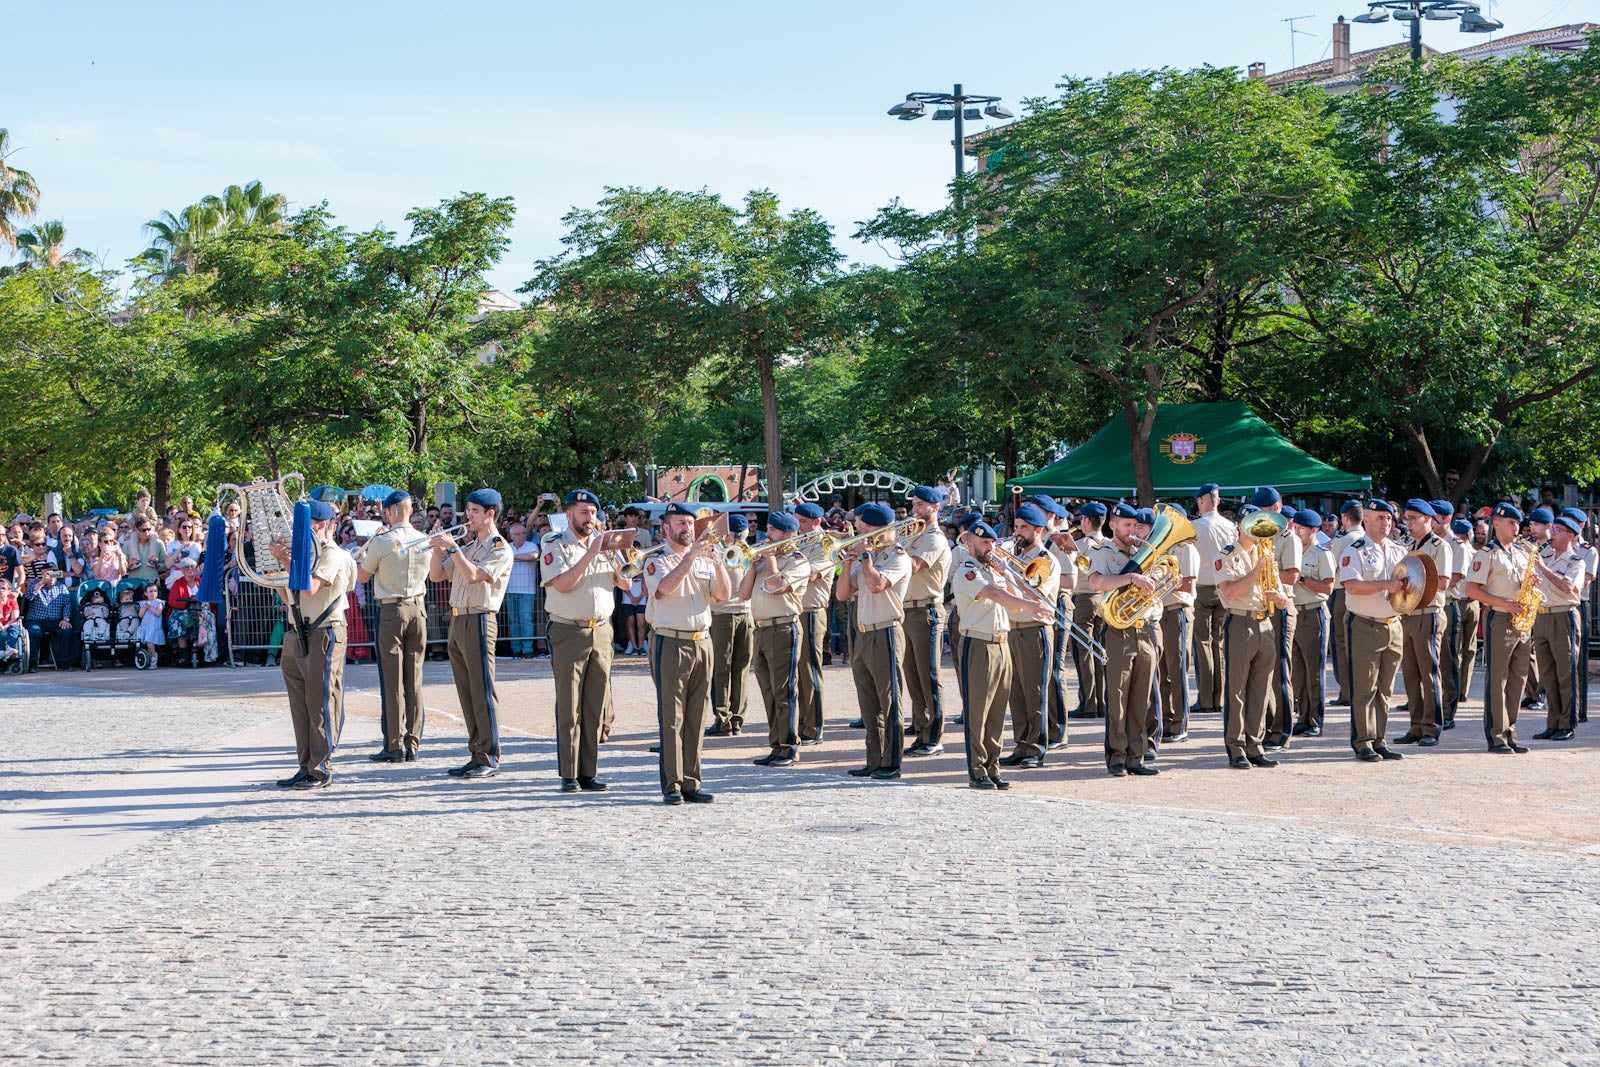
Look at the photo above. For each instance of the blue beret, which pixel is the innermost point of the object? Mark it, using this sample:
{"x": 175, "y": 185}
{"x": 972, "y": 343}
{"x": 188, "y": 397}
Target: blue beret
{"x": 1180, "y": 509}
{"x": 1246, "y": 509}
{"x": 808, "y": 510}
{"x": 1032, "y": 514}
{"x": 737, "y": 523}
{"x": 875, "y": 514}
{"x": 1568, "y": 524}
{"x": 1146, "y": 516}
{"x": 485, "y": 498}
{"x": 1044, "y": 500}
{"x": 1443, "y": 508}
{"x": 928, "y": 494}
{"x": 1351, "y": 507}
{"x": 1124, "y": 511}
{"x": 1421, "y": 507}
{"x": 968, "y": 519}
{"x": 1541, "y": 515}
{"x": 782, "y": 520}
{"x": 1503, "y": 510}
{"x": 581, "y": 496}
{"x": 1093, "y": 508}
{"x": 1575, "y": 514}
{"x": 983, "y": 529}
{"x": 1206, "y": 490}
{"x": 1380, "y": 505}
{"x": 1265, "y": 497}
{"x": 1461, "y": 528}
{"x": 321, "y": 510}
{"x": 1307, "y": 517}
{"x": 399, "y": 496}
{"x": 328, "y": 493}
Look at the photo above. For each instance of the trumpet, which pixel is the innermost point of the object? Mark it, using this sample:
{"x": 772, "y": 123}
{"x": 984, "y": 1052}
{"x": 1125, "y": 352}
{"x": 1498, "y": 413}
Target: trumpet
{"x": 425, "y": 544}
{"x": 1029, "y": 577}
{"x": 632, "y": 565}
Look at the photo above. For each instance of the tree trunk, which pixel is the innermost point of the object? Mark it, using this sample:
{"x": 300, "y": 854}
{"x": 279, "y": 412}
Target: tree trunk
{"x": 770, "y": 435}
{"x": 162, "y": 492}
{"x": 1417, "y": 439}
{"x": 1139, "y": 428}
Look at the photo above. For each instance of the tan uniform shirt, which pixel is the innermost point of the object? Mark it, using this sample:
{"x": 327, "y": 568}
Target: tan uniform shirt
{"x": 1236, "y": 562}
{"x": 796, "y": 571}
{"x": 1460, "y": 563}
{"x": 396, "y": 574}
{"x": 979, "y": 618}
{"x": 338, "y": 573}
{"x": 690, "y": 607}
{"x": 1444, "y": 561}
{"x": 1047, "y": 588}
{"x": 493, "y": 556}
{"x": 1367, "y": 561}
{"x": 1287, "y": 552}
{"x": 819, "y": 590}
{"x": 1571, "y": 566}
{"x": 1591, "y": 560}
{"x": 1215, "y": 537}
{"x": 889, "y": 605}
{"x": 1336, "y": 549}
{"x": 1500, "y": 569}
{"x": 1109, "y": 559}
{"x": 1316, "y": 564}
{"x": 591, "y": 599}
{"x": 928, "y": 583}
{"x": 1188, "y": 558}
{"x": 734, "y": 605}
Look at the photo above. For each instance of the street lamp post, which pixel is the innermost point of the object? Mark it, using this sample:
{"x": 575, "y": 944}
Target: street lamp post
{"x": 958, "y": 105}
{"x": 1472, "y": 18}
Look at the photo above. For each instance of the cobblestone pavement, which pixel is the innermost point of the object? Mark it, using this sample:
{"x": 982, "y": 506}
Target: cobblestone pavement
{"x": 402, "y": 917}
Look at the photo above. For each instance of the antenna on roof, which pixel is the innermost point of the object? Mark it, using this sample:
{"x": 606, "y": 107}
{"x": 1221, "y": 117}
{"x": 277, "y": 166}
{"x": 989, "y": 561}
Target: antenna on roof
{"x": 1295, "y": 31}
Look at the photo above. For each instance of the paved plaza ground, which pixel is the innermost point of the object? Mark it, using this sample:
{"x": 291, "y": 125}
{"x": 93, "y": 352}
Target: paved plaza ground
{"x": 160, "y": 903}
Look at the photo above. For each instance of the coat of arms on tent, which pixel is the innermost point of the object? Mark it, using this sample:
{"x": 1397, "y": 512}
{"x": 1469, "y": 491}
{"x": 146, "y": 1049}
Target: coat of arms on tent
{"x": 1183, "y": 448}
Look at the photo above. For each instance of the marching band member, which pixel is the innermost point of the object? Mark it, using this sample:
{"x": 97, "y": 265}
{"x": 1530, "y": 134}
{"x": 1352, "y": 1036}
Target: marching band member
{"x": 1214, "y": 534}
{"x": 732, "y": 641}
{"x": 876, "y": 580}
{"x": 1280, "y": 716}
{"x": 399, "y": 584}
{"x": 929, "y": 553}
{"x": 1063, "y": 548}
{"x": 1310, "y": 598}
{"x": 1177, "y": 610}
{"x": 1498, "y": 572}
{"x": 683, "y": 581}
{"x": 578, "y": 578}
{"x": 774, "y": 588}
{"x": 1248, "y": 649}
{"x": 1031, "y": 645}
{"x": 1349, "y": 530}
{"x": 813, "y": 633}
{"x": 1591, "y": 564}
{"x": 313, "y": 655}
{"x": 959, "y": 554}
{"x": 1462, "y": 642}
{"x": 1131, "y": 653}
{"x": 1085, "y": 606}
{"x": 1563, "y": 575}
{"x": 1373, "y": 633}
{"x": 983, "y": 660}
{"x": 478, "y": 574}
{"x": 1422, "y": 632}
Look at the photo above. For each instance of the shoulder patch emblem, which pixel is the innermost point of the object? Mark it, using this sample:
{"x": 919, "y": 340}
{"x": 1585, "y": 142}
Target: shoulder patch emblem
{"x": 1477, "y": 565}
{"x": 650, "y": 568}
{"x": 549, "y": 558}
{"x": 1344, "y": 561}
{"x": 1217, "y": 564}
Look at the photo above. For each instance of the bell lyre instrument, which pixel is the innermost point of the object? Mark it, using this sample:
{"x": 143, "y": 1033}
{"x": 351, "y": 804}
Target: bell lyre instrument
{"x": 1028, "y": 577}
{"x": 1130, "y": 606}
{"x": 266, "y": 515}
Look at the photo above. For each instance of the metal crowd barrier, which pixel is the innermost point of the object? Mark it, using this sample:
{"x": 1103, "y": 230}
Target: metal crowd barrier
{"x": 257, "y": 620}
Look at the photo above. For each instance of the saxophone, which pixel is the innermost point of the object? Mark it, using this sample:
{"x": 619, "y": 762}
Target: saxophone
{"x": 1528, "y": 595}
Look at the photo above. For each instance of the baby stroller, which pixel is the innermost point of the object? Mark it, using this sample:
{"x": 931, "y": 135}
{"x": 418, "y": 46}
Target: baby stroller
{"x": 94, "y": 599}
{"x": 11, "y": 645}
{"x": 125, "y": 621}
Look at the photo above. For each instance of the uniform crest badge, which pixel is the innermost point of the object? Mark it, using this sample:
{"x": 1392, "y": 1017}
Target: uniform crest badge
{"x": 549, "y": 558}
{"x": 650, "y": 568}
{"x": 1477, "y": 565}
{"x": 1183, "y": 448}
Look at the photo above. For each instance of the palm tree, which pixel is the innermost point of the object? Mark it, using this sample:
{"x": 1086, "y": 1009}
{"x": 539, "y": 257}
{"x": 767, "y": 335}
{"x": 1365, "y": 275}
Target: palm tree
{"x": 45, "y": 246}
{"x": 19, "y": 195}
{"x": 249, "y": 205}
{"x": 175, "y": 250}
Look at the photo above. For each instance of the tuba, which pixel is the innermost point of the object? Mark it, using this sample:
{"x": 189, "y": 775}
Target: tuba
{"x": 266, "y": 512}
{"x": 1127, "y": 606}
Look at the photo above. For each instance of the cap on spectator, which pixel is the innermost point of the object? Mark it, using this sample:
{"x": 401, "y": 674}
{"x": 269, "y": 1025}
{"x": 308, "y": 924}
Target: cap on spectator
{"x": 1376, "y": 504}
{"x": 808, "y": 510}
{"x": 1576, "y": 515}
{"x": 875, "y": 514}
{"x": 1093, "y": 509}
{"x": 580, "y": 496}
{"x": 1544, "y": 515}
{"x": 487, "y": 498}
{"x": 399, "y": 496}
{"x": 1145, "y": 516}
{"x": 1504, "y": 510}
{"x": 737, "y": 523}
{"x": 1032, "y": 514}
{"x": 1307, "y": 517}
{"x": 782, "y": 521}
{"x": 1207, "y": 490}
{"x": 677, "y": 508}
{"x": 1461, "y": 527}
{"x": 1443, "y": 508}
{"x": 1124, "y": 511}
{"x": 1421, "y": 507}
{"x": 321, "y": 510}
{"x": 1567, "y": 523}
{"x": 1265, "y": 497}
{"x": 983, "y": 529}
{"x": 928, "y": 494}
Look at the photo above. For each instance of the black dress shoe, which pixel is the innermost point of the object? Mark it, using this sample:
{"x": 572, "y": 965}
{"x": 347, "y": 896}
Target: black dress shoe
{"x": 1142, "y": 770}
{"x": 720, "y": 731}
{"x": 782, "y": 761}
{"x": 736, "y": 728}
{"x": 459, "y": 772}
{"x": 673, "y": 797}
{"x": 933, "y": 749}
{"x": 1300, "y": 729}
{"x": 591, "y": 785}
{"x": 1031, "y": 763}
{"x": 698, "y": 796}
{"x": 308, "y": 782}
{"x": 1407, "y": 738}
{"x": 1313, "y": 730}
{"x": 1518, "y": 749}
{"x": 389, "y": 755}
{"x": 959, "y": 720}
{"x": 999, "y": 782}
{"x": 1367, "y": 755}
{"x": 292, "y": 781}
{"x": 1428, "y": 742}
{"x": 862, "y": 772}
{"x": 765, "y": 761}
{"x": 979, "y": 783}
{"x": 1261, "y": 761}
{"x": 1274, "y": 746}
{"x": 1340, "y": 703}
{"x": 480, "y": 770}
{"x": 1561, "y": 735}
{"x": 1172, "y": 739}
{"x": 1449, "y": 724}
{"x": 858, "y": 724}
{"x": 1079, "y": 713}
{"x": 1385, "y": 752}
{"x": 809, "y": 741}
{"x": 1505, "y": 750}
{"x": 1239, "y": 763}
{"x": 1055, "y": 746}
{"x": 569, "y": 785}
{"x": 411, "y": 753}
{"x": 917, "y": 749}
{"x": 656, "y": 749}
{"x": 1013, "y": 760}
{"x": 1117, "y": 770}
{"x": 885, "y": 774}
{"x": 1544, "y": 735}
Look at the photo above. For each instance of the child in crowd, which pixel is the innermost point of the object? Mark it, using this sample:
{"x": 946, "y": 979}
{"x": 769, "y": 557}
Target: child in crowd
{"x": 633, "y": 602}
{"x": 11, "y": 632}
{"x": 127, "y": 617}
{"x": 150, "y": 622}
{"x": 96, "y": 618}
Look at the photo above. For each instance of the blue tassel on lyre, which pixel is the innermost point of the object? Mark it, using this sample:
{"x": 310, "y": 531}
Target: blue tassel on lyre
{"x": 216, "y": 556}
{"x": 300, "y": 549}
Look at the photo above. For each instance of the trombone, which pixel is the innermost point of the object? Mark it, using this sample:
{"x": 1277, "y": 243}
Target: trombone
{"x": 1029, "y": 577}
{"x": 903, "y": 530}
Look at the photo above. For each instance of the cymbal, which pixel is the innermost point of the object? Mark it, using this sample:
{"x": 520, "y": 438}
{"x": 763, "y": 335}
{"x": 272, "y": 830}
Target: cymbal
{"x": 1421, "y": 577}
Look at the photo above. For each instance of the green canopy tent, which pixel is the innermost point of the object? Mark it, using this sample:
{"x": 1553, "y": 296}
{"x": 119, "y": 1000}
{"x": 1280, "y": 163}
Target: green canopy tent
{"x": 1190, "y": 445}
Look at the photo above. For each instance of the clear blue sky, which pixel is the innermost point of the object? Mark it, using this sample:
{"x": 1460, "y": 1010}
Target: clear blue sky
{"x": 122, "y": 110}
